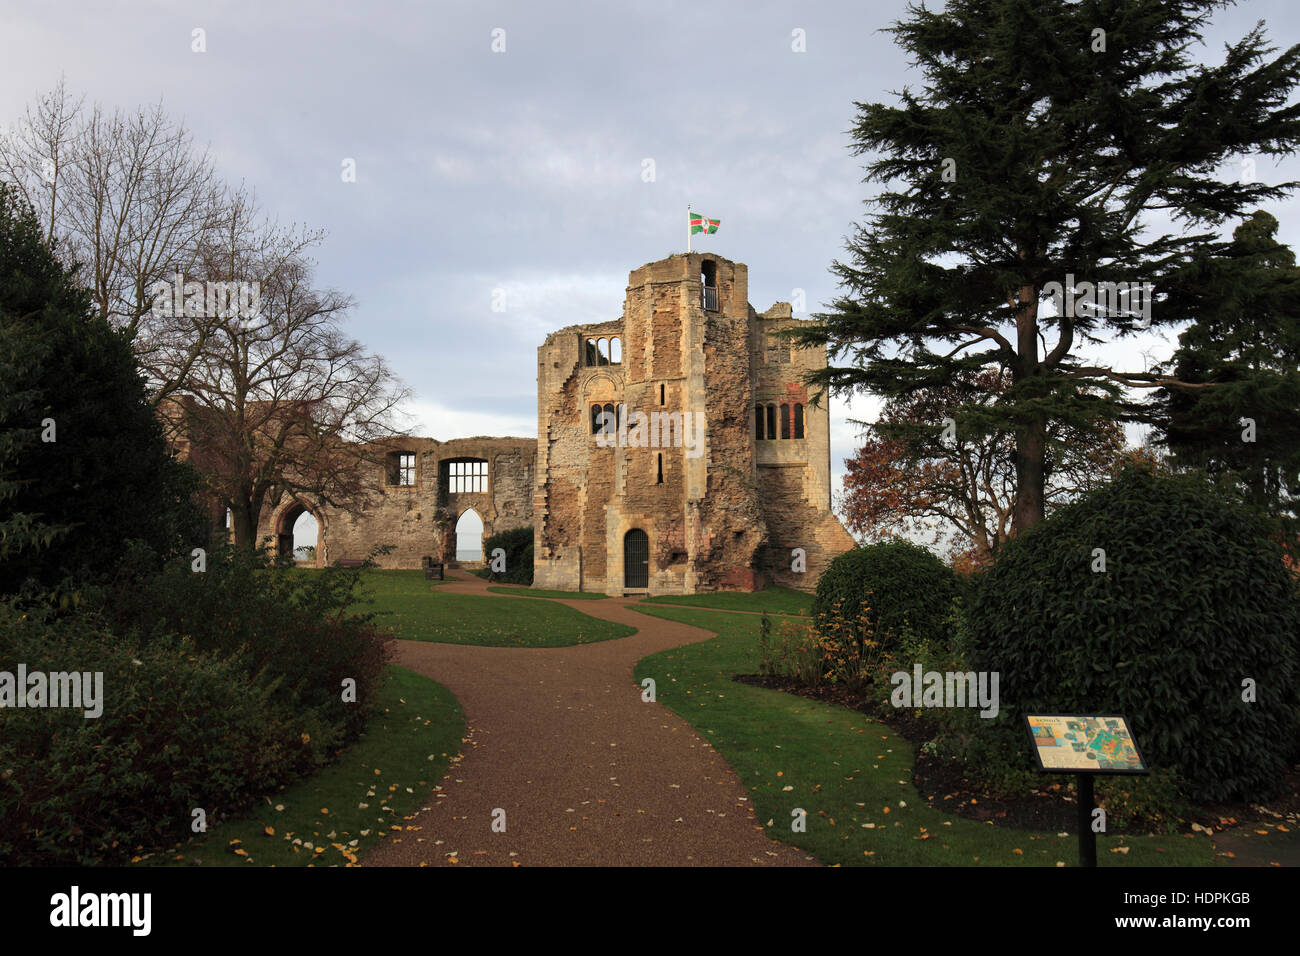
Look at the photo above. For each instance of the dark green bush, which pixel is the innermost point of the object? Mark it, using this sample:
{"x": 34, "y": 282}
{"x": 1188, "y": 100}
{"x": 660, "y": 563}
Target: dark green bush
{"x": 518, "y": 546}
{"x": 302, "y": 628}
{"x": 1194, "y": 599}
{"x": 179, "y": 730}
{"x": 887, "y": 587}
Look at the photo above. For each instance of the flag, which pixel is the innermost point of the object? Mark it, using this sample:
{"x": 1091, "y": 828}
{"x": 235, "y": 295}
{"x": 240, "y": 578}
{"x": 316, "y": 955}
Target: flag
{"x": 701, "y": 224}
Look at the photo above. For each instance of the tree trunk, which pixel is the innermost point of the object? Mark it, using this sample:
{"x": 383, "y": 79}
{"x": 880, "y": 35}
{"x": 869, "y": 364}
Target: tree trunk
{"x": 1031, "y": 438}
{"x": 245, "y": 526}
{"x": 1031, "y": 451}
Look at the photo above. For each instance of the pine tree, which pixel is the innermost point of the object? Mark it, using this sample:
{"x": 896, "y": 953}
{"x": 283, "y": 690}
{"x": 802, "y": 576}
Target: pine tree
{"x": 1047, "y": 138}
{"x": 1247, "y": 428}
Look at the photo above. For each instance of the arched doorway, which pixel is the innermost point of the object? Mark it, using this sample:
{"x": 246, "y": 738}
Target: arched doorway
{"x": 636, "y": 559}
{"x": 469, "y": 536}
{"x": 299, "y": 535}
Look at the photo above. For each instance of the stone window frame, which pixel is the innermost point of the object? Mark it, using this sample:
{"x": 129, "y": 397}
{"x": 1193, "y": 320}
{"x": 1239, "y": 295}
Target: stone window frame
{"x": 396, "y": 469}
{"x": 458, "y": 476}
{"x": 604, "y": 351}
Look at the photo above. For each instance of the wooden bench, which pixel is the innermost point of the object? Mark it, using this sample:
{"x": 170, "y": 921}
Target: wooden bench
{"x": 349, "y": 563}
{"x": 430, "y": 567}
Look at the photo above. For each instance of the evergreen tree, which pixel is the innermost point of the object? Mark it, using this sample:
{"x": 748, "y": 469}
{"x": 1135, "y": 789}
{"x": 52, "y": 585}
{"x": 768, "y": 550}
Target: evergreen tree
{"x": 1246, "y": 428}
{"x": 83, "y": 464}
{"x": 1045, "y": 139}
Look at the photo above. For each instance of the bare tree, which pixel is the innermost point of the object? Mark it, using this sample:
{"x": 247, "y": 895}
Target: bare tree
{"x": 280, "y": 402}
{"x": 130, "y": 198}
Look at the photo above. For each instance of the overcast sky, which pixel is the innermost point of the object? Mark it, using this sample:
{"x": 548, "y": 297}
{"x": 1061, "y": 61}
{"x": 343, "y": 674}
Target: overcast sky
{"x": 520, "y": 170}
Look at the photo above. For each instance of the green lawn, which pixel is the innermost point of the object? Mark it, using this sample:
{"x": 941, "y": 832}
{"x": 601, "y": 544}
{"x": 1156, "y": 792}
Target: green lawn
{"x": 417, "y": 612}
{"x": 851, "y": 774}
{"x": 343, "y": 811}
{"x": 773, "y": 600}
{"x": 542, "y": 593}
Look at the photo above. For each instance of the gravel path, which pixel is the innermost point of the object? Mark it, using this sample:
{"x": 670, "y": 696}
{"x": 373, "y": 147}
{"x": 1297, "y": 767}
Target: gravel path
{"x": 587, "y": 774}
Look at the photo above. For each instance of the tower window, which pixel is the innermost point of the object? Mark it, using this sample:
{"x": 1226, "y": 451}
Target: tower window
{"x": 759, "y": 433}
{"x": 785, "y": 421}
{"x": 771, "y": 421}
{"x": 709, "y": 286}
{"x": 660, "y": 479}
{"x": 603, "y": 351}
{"x": 661, "y": 393}
{"x": 798, "y": 421}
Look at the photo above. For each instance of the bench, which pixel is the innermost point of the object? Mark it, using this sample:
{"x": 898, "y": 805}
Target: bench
{"x": 430, "y": 567}
{"x": 349, "y": 563}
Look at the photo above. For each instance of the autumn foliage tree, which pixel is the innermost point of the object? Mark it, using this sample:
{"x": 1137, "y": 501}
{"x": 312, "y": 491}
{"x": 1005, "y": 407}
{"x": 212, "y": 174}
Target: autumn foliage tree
{"x": 932, "y": 465}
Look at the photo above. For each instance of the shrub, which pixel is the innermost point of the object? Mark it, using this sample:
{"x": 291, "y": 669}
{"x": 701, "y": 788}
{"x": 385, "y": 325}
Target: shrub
{"x": 898, "y": 584}
{"x": 1193, "y": 599}
{"x": 179, "y": 729}
{"x": 518, "y": 546}
{"x": 301, "y": 628}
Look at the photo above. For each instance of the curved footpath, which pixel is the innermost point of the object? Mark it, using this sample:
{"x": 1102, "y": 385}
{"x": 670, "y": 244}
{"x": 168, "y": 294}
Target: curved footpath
{"x": 587, "y": 774}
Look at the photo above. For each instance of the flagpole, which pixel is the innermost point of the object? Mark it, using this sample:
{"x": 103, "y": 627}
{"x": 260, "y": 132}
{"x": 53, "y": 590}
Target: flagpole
{"x": 688, "y": 229}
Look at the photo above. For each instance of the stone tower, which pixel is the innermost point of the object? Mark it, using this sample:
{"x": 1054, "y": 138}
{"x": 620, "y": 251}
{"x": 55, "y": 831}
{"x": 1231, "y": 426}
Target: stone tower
{"x": 677, "y": 451}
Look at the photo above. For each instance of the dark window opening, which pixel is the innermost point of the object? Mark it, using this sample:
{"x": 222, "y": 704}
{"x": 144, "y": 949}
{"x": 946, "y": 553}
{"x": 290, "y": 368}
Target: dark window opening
{"x": 759, "y": 434}
{"x": 661, "y": 393}
{"x": 660, "y": 479}
{"x": 709, "y": 284}
{"x": 798, "y": 421}
{"x": 785, "y": 421}
{"x": 771, "y": 421}
{"x": 401, "y": 469}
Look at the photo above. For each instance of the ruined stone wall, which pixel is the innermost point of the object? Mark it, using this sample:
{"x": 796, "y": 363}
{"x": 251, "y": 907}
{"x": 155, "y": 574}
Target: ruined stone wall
{"x": 419, "y": 519}
{"x": 794, "y": 473}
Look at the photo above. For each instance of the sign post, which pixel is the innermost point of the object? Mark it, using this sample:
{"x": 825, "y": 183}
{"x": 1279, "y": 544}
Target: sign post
{"x": 1086, "y": 745}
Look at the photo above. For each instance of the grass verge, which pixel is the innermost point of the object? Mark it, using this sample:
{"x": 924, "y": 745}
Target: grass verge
{"x": 852, "y": 775}
{"x": 417, "y": 612}
{"x": 334, "y": 817}
{"x": 772, "y": 600}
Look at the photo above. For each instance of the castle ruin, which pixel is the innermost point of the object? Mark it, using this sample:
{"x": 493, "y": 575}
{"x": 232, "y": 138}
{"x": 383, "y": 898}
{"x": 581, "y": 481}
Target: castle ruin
{"x": 677, "y": 452}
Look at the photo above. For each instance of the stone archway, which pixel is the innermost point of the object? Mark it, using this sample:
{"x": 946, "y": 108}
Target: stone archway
{"x": 283, "y": 525}
{"x": 469, "y": 525}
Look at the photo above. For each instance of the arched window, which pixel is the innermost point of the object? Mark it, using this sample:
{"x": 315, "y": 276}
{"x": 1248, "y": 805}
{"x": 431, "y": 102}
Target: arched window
{"x": 660, "y": 479}
{"x": 759, "y": 433}
{"x": 595, "y": 419}
{"x": 602, "y": 351}
{"x": 590, "y": 357}
{"x": 609, "y": 423}
{"x": 798, "y": 421}
{"x": 785, "y": 420}
{"x": 615, "y": 351}
{"x": 771, "y": 421}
